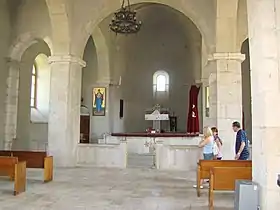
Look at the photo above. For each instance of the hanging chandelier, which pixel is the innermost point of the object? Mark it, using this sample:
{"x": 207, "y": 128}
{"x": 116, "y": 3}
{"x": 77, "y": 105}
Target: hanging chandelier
{"x": 124, "y": 20}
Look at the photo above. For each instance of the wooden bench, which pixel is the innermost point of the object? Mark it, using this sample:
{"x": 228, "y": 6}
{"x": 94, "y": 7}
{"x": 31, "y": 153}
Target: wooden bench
{"x": 204, "y": 166}
{"x": 34, "y": 160}
{"x": 10, "y": 166}
{"x": 223, "y": 179}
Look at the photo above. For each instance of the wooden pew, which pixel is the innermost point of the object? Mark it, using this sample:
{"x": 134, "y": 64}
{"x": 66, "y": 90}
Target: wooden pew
{"x": 223, "y": 179}
{"x": 34, "y": 160}
{"x": 204, "y": 166}
{"x": 10, "y": 166}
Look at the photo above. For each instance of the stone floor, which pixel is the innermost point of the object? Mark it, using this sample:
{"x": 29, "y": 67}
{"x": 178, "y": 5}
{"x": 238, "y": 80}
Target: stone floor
{"x": 110, "y": 189}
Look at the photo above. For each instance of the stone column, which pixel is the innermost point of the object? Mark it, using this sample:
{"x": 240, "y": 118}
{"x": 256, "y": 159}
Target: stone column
{"x": 226, "y": 97}
{"x": 11, "y": 104}
{"x": 64, "y": 115}
{"x": 225, "y": 79}
{"x": 209, "y": 68}
{"x": 264, "y": 38}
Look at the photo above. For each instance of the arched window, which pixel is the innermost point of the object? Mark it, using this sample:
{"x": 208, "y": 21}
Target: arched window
{"x": 161, "y": 81}
{"x": 33, "y": 98}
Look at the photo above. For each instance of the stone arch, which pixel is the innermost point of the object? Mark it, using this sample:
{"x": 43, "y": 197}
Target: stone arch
{"x": 17, "y": 62}
{"x": 109, "y": 7}
{"x": 242, "y": 23}
{"x": 23, "y": 42}
{"x": 102, "y": 54}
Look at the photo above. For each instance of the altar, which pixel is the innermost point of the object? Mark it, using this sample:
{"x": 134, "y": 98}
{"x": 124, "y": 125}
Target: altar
{"x": 162, "y": 119}
{"x": 173, "y": 151}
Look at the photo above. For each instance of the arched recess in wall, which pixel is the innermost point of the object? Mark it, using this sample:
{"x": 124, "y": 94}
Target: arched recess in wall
{"x": 246, "y": 89}
{"x": 160, "y": 83}
{"x": 31, "y": 121}
{"x": 135, "y": 58}
{"x": 90, "y": 72}
{"x": 89, "y": 79}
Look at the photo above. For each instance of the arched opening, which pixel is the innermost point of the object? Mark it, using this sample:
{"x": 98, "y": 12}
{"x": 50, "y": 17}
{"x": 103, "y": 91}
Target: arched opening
{"x": 90, "y": 128}
{"x": 33, "y": 98}
{"x": 34, "y": 80}
{"x": 246, "y": 90}
{"x": 40, "y": 89}
{"x": 174, "y": 47}
{"x": 160, "y": 82}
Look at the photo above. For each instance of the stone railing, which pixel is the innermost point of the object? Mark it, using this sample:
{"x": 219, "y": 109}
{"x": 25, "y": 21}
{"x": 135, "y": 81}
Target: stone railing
{"x": 177, "y": 157}
{"x": 102, "y": 155}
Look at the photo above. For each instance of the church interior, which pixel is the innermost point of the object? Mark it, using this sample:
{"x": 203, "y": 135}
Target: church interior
{"x": 112, "y": 97}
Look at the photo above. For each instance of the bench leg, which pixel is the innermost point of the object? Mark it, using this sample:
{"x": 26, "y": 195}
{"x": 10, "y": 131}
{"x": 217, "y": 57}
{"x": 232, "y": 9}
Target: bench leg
{"x": 198, "y": 181}
{"x": 20, "y": 178}
{"x": 48, "y": 169}
{"x": 12, "y": 176}
{"x": 211, "y": 193}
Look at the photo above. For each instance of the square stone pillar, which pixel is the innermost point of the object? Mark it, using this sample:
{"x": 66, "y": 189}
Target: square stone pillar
{"x": 64, "y": 115}
{"x": 225, "y": 91}
{"x": 264, "y": 39}
{"x": 11, "y": 104}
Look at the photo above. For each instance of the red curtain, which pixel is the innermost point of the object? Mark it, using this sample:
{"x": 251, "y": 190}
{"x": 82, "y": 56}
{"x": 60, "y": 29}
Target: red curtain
{"x": 193, "y": 120}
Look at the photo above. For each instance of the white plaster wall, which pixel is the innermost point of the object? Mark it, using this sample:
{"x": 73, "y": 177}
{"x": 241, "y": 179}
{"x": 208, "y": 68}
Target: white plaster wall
{"x": 38, "y": 136}
{"x": 4, "y": 46}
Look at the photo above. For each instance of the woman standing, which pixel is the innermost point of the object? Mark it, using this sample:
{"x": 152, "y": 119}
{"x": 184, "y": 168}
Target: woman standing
{"x": 218, "y": 142}
{"x": 207, "y": 144}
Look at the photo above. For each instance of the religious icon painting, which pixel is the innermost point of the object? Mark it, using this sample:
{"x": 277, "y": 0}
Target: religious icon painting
{"x": 99, "y": 101}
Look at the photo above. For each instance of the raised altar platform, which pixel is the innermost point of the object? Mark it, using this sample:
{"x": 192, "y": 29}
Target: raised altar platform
{"x": 167, "y": 134}
{"x": 173, "y": 151}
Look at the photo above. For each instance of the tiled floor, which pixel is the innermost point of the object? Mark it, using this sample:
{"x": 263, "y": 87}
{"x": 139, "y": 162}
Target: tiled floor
{"x": 110, "y": 189}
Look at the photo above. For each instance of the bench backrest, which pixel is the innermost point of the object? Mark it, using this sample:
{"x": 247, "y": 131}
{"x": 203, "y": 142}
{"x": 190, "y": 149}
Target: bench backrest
{"x": 7, "y": 165}
{"x": 206, "y": 165}
{"x": 33, "y": 159}
{"x": 8, "y": 161}
{"x": 223, "y": 178}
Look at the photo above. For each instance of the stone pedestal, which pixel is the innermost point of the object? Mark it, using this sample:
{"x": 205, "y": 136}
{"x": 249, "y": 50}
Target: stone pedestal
{"x": 264, "y": 37}
{"x": 64, "y": 115}
{"x": 226, "y": 97}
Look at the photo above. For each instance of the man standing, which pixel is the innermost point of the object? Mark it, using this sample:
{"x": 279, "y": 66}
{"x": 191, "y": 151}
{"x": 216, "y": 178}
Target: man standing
{"x": 242, "y": 143}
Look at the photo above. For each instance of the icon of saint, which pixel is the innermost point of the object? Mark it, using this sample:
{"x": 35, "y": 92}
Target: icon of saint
{"x": 98, "y": 101}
